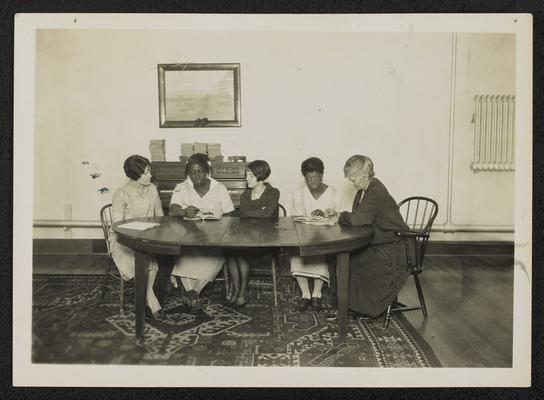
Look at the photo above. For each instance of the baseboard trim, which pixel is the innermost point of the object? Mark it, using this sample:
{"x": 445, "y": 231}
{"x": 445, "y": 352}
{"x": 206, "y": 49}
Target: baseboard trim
{"x": 69, "y": 246}
{"x": 98, "y": 246}
{"x": 470, "y": 248}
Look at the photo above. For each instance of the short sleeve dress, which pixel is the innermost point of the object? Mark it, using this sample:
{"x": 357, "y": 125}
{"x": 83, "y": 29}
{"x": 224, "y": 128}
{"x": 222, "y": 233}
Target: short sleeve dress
{"x": 303, "y": 203}
{"x": 130, "y": 202}
{"x": 196, "y": 263}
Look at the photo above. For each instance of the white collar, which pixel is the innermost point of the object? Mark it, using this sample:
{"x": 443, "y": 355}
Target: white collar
{"x": 213, "y": 183}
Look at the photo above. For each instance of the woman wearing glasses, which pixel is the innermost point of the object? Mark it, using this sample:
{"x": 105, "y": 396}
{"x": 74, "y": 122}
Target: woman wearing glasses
{"x": 377, "y": 272}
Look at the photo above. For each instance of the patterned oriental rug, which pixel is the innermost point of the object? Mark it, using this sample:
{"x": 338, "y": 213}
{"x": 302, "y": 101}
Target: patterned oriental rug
{"x": 70, "y": 325}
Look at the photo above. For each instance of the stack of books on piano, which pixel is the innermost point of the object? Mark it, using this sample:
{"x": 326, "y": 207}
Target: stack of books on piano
{"x": 200, "y": 148}
{"x": 187, "y": 149}
{"x": 157, "y": 150}
{"x": 214, "y": 152}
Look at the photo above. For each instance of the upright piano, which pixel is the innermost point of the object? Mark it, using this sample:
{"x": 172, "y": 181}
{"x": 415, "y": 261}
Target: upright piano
{"x": 167, "y": 174}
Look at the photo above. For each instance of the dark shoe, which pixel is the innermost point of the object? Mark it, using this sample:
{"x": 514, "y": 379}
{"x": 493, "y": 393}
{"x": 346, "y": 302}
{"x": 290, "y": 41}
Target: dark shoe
{"x": 158, "y": 315}
{"x": 197, "y": 307}
{"x": 189, "y": 298}
{"x": 316, "y": 304}
{"x": 192, "y": 301}
{"x": 303, "y": 304}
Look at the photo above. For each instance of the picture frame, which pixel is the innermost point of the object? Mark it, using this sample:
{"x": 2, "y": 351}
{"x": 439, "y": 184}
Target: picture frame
{"x": 199, "y": 95}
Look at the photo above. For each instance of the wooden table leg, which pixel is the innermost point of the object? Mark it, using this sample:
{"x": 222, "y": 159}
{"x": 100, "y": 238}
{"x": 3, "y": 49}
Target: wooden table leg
{"x": 140, "y": 284}
{"x": 342, "y": 278}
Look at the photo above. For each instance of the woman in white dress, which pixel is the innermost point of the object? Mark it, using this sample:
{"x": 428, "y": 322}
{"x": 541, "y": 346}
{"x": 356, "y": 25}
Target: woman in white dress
{"x": 197, "y": 267}
{"x": 137, "y": 198}
{"x": 314, "y": 198}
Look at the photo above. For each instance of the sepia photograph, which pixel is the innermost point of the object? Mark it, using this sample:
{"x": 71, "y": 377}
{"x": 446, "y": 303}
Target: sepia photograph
{"x": 272, "y": 200}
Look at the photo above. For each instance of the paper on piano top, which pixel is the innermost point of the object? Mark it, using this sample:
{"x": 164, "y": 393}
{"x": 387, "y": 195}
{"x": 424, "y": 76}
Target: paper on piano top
{"x": 139, "y": 226}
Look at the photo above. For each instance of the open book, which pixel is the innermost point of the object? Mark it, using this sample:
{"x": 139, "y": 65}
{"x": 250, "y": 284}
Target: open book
{"x": 201, "y": 216}
{"x": 316, "y": 220}
{"x": 139, "y": 226}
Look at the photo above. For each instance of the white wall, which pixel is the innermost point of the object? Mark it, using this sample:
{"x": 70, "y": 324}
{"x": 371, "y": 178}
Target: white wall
{"x": 325, "y": 94}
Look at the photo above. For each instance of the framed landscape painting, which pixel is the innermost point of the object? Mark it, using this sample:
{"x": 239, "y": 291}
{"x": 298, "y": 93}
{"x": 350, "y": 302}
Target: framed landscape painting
{"x": 199, "y": 95}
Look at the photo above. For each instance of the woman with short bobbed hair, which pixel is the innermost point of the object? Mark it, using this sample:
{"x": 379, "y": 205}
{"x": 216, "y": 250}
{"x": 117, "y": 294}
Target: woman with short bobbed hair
{"x": 377, "y": 272}
{"x": 313, "y": 198}
{"x": 260, "y": 200}
{"x": 137, "y": 198}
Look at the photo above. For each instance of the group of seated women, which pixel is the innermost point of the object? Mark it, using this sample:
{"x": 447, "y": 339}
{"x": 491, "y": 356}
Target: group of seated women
{"x": 377, "y": 272}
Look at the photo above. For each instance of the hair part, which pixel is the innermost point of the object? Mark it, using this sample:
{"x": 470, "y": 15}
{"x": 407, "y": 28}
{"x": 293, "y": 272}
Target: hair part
{"x": 260, "y": 169}
{"x": 198, "y": 159}
{"x": 312, "y": 164}
{"x": 359, "y": 164}
{"x": 135, "y": 166}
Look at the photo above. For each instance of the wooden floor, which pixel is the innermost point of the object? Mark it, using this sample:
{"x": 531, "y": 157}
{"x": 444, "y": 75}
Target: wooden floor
{"x": 469, "y": 299}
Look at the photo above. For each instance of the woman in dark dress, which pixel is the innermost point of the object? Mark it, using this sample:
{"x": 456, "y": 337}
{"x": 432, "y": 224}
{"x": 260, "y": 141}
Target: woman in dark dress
{"x": 260, "y": 200}
{"x": 378, "y": 271}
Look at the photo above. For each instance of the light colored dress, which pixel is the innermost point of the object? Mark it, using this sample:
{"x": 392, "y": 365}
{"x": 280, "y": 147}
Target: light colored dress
{"x": 303, "y": 203}
{"x": 128, "y": 203}
{"x": 196, "y": 263}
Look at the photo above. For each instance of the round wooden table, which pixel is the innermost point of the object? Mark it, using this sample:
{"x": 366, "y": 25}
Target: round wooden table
{"x": 174, "y": 233}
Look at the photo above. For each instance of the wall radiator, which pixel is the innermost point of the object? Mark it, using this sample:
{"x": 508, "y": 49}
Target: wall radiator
{"x": 494, "y": 127}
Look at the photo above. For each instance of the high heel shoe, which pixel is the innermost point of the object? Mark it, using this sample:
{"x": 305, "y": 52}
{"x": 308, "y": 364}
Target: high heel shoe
{"x": 241, "y": 301}
{"x": 158, "y": 315}
{"x": 193, "y": 302}
{"x": 232, "y": 299}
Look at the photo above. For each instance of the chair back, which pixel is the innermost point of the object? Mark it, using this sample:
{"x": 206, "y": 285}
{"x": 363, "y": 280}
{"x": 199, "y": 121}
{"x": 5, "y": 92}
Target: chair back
{"x": 283, "y": 212}
{"x": 418, "y": 213}
{"x": 106, "y": 222}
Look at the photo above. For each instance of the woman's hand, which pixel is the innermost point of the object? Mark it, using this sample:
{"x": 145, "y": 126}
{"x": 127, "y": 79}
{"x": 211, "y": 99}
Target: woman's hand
{"x": 329, "y": 213}
{"x": 190, "y": 212}
{"x": 318, "y": 213}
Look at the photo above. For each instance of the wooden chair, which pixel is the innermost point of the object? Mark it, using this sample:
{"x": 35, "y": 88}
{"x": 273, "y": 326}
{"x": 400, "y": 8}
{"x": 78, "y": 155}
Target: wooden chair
{"x": 111, "y": 272}
{"x": 274, "y": 262}
{"x": 419, "y": 214}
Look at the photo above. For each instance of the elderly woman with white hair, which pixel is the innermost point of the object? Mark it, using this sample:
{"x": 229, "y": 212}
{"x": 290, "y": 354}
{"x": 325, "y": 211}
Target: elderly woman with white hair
{"x": 377, "y": 272}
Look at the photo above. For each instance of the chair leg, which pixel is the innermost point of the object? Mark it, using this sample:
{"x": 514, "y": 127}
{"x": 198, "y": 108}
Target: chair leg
{"x": 122, "y": 295}
{"x": 105, "y": 280}
{"x": 387, "y": 317}
{"x": 226, "y": 277}
{"x": 181, "y": 290}
{"x": 274, "y": 281}
{"x": 420, "y": 295}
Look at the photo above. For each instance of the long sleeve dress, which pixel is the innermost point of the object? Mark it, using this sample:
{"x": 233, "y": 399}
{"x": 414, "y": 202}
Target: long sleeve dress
{"x": 377, "y": 272}
{"x": 303, "y": 203}
{"x": 197, "y": 263}
{"x": 128, "y": 202}
{"x": 265, "y": 206}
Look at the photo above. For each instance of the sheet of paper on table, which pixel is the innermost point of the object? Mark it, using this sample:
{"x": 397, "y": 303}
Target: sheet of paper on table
{"x": 139, "y": 226}
{"x": 316, "y": 220}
